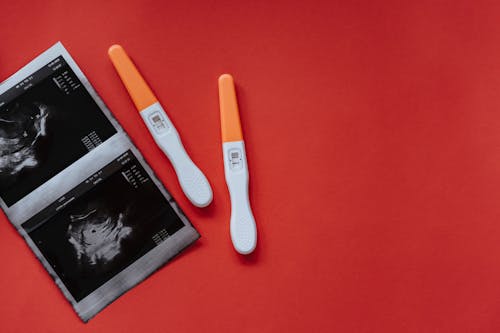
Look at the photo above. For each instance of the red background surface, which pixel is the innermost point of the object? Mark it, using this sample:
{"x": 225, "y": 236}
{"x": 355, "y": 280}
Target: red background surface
{"x": 373, "y": 135}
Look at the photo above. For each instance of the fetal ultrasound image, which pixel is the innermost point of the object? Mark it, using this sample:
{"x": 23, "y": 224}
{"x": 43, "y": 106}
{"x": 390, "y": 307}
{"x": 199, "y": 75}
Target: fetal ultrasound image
{"x": 98, "y": 234}
{"x": 23, "y": 128}
{"x": 44, "y": 128}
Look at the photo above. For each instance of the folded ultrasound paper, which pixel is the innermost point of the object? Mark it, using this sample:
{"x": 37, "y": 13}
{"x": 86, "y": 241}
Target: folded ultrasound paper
{"x": 78, "y": 190}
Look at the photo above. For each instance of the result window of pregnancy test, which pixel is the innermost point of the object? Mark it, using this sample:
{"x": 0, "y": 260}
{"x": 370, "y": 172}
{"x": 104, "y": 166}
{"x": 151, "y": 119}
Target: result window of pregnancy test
{"x": 159, "y": 122}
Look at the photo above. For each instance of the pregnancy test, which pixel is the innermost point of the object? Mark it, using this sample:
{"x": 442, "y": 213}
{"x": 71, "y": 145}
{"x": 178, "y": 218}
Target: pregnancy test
{"x": 242, "y": 224}
{"x": 193, "y": 182}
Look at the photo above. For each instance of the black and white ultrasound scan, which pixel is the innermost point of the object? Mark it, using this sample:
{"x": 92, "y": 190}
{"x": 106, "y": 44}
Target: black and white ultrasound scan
{"x": 78, "y": 190}
{"x": 47, "y": 122}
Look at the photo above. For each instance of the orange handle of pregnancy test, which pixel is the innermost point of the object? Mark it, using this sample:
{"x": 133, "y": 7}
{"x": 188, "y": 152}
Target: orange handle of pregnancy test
{"x": 229, "y": 114}
{"x": 137, "y": 88}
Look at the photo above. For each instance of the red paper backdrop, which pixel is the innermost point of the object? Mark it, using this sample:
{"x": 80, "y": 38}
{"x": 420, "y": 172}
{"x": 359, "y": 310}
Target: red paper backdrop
{"x": 373, "y": 135}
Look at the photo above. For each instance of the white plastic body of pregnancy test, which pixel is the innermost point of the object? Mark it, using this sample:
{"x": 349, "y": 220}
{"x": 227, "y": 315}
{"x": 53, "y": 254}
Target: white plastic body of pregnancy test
{"x": 242, "y": 224}
{"x": 193, "y": 182}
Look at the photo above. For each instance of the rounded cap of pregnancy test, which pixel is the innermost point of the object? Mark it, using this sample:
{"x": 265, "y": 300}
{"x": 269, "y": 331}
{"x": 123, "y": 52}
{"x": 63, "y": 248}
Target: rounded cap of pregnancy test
{"x": 229, "y": 113}
{"x": 138, "y": 89}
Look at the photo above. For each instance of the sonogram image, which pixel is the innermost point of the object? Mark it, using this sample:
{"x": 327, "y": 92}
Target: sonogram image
{"x": 97, "y": 234}
{"x": 23, "y": 127}
{"x": 44, "y": 128}
{"x": 104, "y": 229}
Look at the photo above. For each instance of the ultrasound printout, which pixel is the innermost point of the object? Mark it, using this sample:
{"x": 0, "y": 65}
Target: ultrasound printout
{"x": 77, "y": 189}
